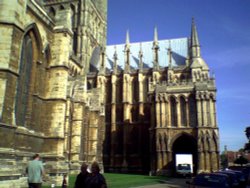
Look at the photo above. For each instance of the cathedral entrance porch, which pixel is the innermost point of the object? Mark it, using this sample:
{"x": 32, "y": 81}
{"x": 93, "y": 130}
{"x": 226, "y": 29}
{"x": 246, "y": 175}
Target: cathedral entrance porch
{"x": 185, "y": 144}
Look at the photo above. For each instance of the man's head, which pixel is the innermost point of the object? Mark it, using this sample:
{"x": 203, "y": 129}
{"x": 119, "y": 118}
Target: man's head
{"x": 84, "y": 168}
{"x": 95, "y": 168}
{"x": 36, "y": 156}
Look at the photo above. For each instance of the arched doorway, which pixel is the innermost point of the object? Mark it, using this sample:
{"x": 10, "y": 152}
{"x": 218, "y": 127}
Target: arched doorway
{"x": 185, "y": 144}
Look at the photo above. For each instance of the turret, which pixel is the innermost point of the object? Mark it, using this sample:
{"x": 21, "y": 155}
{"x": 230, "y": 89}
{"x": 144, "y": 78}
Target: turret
{"x": 195, "y": 45}
{"x": 199, "y": 68}
{"x": 196, "y": 59}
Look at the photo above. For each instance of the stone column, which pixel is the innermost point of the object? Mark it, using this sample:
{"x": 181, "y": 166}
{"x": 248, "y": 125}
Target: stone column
{"x": 159, "y": 161}
{"x": 187, "y": 114}
{"x": 213, "y": 113}
{"x": 201, "y": 165}
{"x": 168, "y": 114}
{"x": 159, "y": 154}
{"x": 165, "y": 158}
{"x": 178, "y": 106}
{"x": 158, "y": 115}
{"x": 126, "y": 117}
{"x": 199, "y": 112}
{"x": 113, "y": 120}
{"x": 204, "y": 112}
{"x": 141, "y": 79}
{"x": 208, "y": 113}
{"x": 214, "y": 161}
{"x": 76, "y": 132}
{"x": 163, "y": 112}
{"x": 207, "y": 161}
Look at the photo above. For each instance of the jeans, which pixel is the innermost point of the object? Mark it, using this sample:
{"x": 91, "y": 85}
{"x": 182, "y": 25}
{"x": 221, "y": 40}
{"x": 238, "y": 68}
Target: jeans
{"x": 35, "y": 185}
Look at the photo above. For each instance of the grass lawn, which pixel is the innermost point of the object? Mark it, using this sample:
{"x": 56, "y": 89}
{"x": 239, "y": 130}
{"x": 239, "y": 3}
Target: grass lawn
{"x": 123, "y": 180}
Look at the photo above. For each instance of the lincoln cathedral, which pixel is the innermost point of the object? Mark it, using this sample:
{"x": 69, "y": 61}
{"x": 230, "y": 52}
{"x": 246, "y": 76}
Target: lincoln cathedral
{"x": 71, "y": 98}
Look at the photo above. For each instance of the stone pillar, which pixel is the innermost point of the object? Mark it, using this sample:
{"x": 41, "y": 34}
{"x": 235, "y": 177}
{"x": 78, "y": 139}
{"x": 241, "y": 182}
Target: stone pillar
{"x": 125, "y": 88}
{"x": 214, "y": 161}
{"x": 168, "y": 114}
{"x": 158, "y": 115}
{"x": 159, "y": 148}
{"x": 76, "y": 132}
{"x": 165, "y": 158}
{"x": 163, "y": 112}
{"x": 141, "y": 94}
{"x": 207, "y": 161}
{"x": 213, "y": 114}
{"x": 113, "y": 120}
{"x": 201, "y": 165}
{"x": 178, "y": 106}
{"x": 126, "y": 117}
{"x": 159, "y": 161}
{"x": 187, "y": 114}
{"x": 208, "y": 113}
{"x": 204, "y": 112}
{"x": 199, "y": 112}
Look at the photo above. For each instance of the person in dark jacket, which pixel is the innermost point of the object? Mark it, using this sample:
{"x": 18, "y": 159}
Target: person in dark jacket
{"x": 81, "y": 177}
{"x": 64, "y": 183}
{"x": 95, "y": 179}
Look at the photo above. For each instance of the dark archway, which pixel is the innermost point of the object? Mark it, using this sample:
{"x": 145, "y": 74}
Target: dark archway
{"x": 185, "y": 144}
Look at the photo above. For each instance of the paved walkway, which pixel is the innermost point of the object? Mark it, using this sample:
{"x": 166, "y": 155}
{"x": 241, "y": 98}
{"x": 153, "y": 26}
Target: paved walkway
{"x": 171, "y": 183}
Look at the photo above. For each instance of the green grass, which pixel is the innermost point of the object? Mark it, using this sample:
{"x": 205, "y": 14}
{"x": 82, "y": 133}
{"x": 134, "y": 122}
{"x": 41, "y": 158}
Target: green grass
{"x": 123, "y": 180}
{"x": 130, "y": 180}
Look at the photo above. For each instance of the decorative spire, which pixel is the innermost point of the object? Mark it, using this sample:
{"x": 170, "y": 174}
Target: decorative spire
{"x": 115, "y": 58}
{"x": 127, "y": 53}
{"x": 195, "y": 45}
{"x": 155, "y": 37}
{"x": 127, "y": 39}
{"x": 155, "y": 50}
{"x": 169, "y": 55}
{"x": 140, "y": 58}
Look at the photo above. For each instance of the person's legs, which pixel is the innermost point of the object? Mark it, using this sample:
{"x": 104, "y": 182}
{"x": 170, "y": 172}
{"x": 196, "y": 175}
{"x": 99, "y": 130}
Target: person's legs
{"x": 35, "y": 185}
{"x": 31, "y": 185}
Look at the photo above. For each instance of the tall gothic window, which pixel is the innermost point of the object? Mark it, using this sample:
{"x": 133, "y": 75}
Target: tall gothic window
{"x": 108, "y": 92}
{"x": 23, "y": 85}
{"x": 183, "y": 112}
{"x": 74, "y": 29}
{"x": 192, "y": 111}
{"x": 173, "y": 112}
{"x": 135, "y": 91}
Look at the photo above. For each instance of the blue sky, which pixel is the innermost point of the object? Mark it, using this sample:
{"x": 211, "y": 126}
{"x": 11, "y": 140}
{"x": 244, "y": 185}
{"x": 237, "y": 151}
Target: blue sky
{"x": 224, "y": 33}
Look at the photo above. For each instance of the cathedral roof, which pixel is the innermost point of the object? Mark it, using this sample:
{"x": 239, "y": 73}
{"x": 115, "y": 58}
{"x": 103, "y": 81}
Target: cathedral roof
{"x": 179, "y": 49}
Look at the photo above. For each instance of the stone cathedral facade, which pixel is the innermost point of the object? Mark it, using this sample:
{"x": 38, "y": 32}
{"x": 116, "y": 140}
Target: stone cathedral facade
{"x": 66, "y": 95}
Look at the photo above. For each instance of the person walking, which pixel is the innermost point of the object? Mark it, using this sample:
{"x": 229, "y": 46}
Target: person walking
{"x": 95, "y": 179}
{"x": 64, "y": 183}
{"x": 81, "y": 177}
{"x": 35, "y": 172}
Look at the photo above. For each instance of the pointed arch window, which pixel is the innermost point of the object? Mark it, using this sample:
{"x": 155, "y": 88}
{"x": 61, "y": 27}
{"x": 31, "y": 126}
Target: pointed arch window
{"x": 183, "y": 112}
{"x": 135, "y": 91}
{"x": 192, "y": 111}
{"x": 23, "y": 84}
{"x": 74, "y": 29}
{"x": 173, "y": 111}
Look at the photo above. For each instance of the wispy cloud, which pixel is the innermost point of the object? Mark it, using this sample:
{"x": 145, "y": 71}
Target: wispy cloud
{"x": 241, "y": 93}
{"x": 231, "y": 57}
